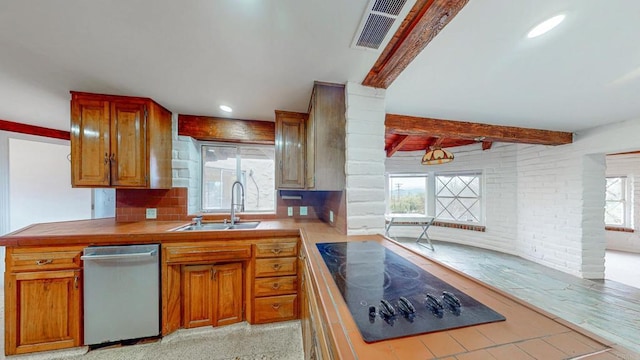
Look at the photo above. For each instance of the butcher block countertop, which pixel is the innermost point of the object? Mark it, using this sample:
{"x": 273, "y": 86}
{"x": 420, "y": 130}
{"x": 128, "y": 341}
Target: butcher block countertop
{"x": 527, "y": 333}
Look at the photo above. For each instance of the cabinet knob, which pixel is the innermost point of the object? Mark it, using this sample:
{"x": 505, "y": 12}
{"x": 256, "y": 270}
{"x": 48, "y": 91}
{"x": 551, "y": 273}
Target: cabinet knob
{"x": 44, "y": 262}
{"x": 106, "y": 158}
{"x": 276, "y": 266}
{"x": 276, "y": 251}
{"x": 275, "y": 286}
{"x": 75, "y": 281}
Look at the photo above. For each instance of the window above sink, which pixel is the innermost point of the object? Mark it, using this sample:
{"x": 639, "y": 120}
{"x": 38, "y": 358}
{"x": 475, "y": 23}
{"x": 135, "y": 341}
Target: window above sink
{"x": 252, "y": 165}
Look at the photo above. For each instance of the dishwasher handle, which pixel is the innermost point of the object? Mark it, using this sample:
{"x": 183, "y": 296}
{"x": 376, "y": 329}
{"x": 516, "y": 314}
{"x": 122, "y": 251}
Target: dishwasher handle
{"x": 119, "y": 256}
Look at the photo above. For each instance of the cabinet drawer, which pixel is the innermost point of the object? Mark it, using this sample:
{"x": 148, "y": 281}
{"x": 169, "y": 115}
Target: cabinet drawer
{"x": 275, "y": 308}
{"x": 276, "y": 267}
{"x": 45, "y": 260}
{"x": 206, "y": 254}
{"x": 276, "y": 285}
{"x": 282, "y": 249}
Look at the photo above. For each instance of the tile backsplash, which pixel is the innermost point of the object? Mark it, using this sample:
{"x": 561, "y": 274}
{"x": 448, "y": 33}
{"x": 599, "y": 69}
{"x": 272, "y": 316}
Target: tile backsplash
{"x": 132, "y": 204}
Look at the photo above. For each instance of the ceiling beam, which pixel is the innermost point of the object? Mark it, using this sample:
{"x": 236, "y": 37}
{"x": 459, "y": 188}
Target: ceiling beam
{"x": 33, "y": 130}
{"x": 402, "y": 139}
{"x": 226, "y": 129}
{"x": 486, "y": 145}
{"x": 422, "y": 24}
{"x": 411, "y": 125}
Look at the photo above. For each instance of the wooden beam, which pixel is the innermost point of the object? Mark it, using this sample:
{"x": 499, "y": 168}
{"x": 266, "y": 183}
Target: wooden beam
{"x": 422, "y": 24}
{"x": 410, "y": 125}
{"x": 402, "y": 139}
{"x": 486, "y": 145}
{"x": 33, "y": 130}
{"x": 227, "y": 130}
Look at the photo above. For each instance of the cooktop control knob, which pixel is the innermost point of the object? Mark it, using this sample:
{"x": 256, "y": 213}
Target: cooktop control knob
{"x": 386, "y": 309}
{"x": 406, "y": 306}
{"x": 451, "y": 300}
{"x": 434, "y": 303}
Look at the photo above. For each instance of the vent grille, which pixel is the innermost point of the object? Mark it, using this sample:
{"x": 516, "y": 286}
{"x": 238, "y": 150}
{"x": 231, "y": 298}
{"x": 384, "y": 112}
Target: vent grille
{"x": 391, "y": 7}
{"x": 376, "y": 23}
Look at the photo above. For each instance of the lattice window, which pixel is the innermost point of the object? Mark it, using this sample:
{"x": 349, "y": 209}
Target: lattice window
{"x": 458, "y": 197}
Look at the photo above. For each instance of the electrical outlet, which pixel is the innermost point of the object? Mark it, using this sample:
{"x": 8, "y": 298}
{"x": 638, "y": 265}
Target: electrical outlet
{"x": 303, "y": 211}
{"x": 152, "y": 213}
{"x": 331, "y": 216}
{"x": 290, "y": 211}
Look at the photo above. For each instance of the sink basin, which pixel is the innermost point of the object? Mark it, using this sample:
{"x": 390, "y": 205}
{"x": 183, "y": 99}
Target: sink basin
{"x": 245, "y": 225}
{"x": 220, "y": 226}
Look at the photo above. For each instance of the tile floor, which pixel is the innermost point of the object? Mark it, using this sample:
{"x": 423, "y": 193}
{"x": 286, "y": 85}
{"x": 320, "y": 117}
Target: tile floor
{"x": 607, "y": 308}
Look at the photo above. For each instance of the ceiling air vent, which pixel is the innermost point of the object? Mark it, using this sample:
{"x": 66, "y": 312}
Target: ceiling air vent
{"x": 376, "y": 23}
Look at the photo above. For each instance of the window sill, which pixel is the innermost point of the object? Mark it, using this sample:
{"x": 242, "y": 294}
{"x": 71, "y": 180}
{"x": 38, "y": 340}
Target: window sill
{"x": 621, "y": 229}
{"x": 479, "y": 228}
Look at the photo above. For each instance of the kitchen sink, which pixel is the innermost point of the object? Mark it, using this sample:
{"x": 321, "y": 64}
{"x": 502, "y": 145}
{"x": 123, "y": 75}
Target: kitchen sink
{"x": 220, "y": 226}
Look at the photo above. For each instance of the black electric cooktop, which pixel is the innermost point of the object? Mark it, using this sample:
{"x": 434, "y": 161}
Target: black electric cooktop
{"x": 416, "y": 301}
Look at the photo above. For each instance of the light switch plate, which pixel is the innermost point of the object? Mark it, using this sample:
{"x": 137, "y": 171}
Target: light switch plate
{"x": 290, "y": 211}
{"x": 303, "y": 211}
{"x": 152, "y": 213}
{"x": 331, "y": 216}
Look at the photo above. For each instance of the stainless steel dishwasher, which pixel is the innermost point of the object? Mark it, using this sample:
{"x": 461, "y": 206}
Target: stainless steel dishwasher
{"x": 121, "y": 293}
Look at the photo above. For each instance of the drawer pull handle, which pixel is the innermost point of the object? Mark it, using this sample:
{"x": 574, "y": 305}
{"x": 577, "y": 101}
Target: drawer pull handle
{"x": 275, "y": 286}
{"x": 276, "y": 267}
{"x": 44, "y": 262}
{"x": 276, "y": 251}
{"x": 75, "y": 281}
{"x": 275, "y": 306}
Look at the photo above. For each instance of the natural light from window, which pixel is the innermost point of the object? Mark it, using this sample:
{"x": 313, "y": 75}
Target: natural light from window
{"x": 617, "y": 210}
{"x": 253, "y": 165}
{"x": 407, "y": 194}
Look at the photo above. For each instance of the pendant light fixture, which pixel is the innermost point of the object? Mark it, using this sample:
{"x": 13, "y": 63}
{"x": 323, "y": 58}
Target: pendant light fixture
{"x": 436, "y": 155}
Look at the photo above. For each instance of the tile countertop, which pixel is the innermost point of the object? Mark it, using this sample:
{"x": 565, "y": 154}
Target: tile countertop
{"x": 527, "y": 333}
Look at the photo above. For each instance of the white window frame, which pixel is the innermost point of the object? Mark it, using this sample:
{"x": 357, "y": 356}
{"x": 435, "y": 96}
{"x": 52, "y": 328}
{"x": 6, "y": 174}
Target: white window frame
{"x": 431, "y": 198}
{"x": 240, "y": 174}
{"x": 626, "y": 201}
{"x": 388, "y": 192}
{"x": 479, "y": 197}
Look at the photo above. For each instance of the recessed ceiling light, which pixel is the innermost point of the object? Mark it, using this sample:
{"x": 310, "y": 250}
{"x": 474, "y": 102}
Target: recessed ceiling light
{"x": 226, "y": 108}
{"x": 545, "y": 26}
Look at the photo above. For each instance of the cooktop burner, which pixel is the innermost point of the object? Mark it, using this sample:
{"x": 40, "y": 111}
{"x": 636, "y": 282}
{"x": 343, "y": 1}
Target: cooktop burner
{"x": 390, "y": 297}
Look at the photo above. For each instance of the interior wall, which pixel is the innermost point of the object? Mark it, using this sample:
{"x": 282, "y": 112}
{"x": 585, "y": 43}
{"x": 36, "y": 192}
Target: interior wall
{"x": 626, "y": 165}
{"x": 40, "y": 185}
{"x": 364, "y": 166}
{"x": 35, "y": 184}
{"x": 499, "y": 191}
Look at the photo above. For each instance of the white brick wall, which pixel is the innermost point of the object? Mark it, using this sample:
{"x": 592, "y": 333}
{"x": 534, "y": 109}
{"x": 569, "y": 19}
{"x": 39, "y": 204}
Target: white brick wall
{"x": 500, "y": 186}
{"x": 364, "y": 168}
{"x": 629, "y": 166}
{"x": 186, "y": 166}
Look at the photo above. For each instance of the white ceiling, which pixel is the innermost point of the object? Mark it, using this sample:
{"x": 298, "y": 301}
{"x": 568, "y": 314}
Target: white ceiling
{"x": 262, "y": 55}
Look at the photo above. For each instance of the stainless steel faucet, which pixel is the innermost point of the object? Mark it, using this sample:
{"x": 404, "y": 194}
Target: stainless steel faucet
{"x": 233, "y": 202}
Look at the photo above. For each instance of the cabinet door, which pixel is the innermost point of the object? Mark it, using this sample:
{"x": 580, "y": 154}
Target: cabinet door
{"x": 43, "y": 311}
{"x": 197, "y": 295}
{"x": 228, "y": 293}
{"x": 90, "y": 151}
{"x": 128, "y": 144}
{"x": 290, "y": 150}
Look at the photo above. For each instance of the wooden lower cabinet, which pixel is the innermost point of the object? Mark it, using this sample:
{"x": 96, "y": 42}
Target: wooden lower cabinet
{"x": 275, "y": 283}
{"x": 314, "y": 337}
{"x": 211, "y": 294}
{"x": 43, "y": 311}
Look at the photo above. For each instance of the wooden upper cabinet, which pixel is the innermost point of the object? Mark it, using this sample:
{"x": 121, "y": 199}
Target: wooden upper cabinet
{"x": 325, "y": 141}
{"x": 310, "y": 148}
{"x": 290, "y": 150}
{"x": 119, "y": 141}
